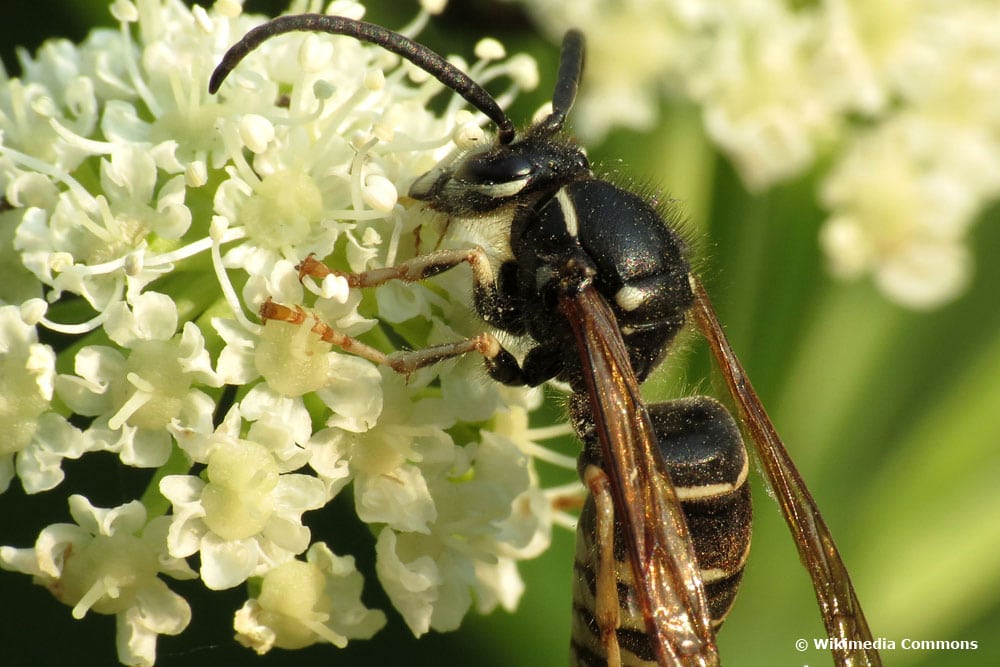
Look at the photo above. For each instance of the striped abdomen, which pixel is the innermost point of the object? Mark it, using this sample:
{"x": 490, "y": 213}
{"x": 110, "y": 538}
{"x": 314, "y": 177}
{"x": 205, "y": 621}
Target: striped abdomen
{"x": 704, "y": 454}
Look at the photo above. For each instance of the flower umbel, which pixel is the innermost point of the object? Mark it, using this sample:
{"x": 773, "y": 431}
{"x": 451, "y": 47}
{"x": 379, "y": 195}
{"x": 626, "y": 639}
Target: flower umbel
{"x": 150, "y": 222}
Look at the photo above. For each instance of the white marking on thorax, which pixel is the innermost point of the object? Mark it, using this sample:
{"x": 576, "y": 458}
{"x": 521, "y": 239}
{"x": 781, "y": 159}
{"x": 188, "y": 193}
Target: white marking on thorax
{"x": 569, "y": 213}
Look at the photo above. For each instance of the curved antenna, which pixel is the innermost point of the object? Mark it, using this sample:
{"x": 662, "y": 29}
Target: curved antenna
{"x": 418, "y": 54}
{"x": 567, "y": 83}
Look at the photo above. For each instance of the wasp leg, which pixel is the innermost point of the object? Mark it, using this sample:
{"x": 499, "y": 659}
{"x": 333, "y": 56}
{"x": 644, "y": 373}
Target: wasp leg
{"x": 492, "y": 302}
{"x": 414, "y": 270}
{"x": 500, "y": 364}
{"x": 498, "y": 360}
{"x": 606, "y": 604}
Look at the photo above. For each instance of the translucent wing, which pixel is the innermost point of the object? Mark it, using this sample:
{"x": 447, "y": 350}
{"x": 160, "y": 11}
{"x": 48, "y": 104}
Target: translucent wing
{"x": 838, "y": 602}
{"x": 667, "y": 578}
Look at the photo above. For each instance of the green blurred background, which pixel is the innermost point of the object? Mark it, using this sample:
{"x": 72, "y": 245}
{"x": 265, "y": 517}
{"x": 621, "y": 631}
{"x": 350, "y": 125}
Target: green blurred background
{"x": 893, "y": 418}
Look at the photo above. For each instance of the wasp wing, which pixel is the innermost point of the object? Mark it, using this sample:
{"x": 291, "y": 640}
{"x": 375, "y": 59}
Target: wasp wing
{"x": 838, "y": 603}
{"x": 667, "y": 577}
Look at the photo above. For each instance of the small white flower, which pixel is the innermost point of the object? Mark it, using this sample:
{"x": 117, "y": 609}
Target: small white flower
{"x": 36, "y": 438}
{"x": 294, "y": 361}
{"x": 245, "y": 516}
{"x": 301, "y": 603}
{"x": 903, "y": 211}
{"x": 109, "y": 562}
{"x": 431, "y": 568}
{"x": 83, "y": 245}
{"x": 27, "y": 375}
{"x": 135, "y": 398}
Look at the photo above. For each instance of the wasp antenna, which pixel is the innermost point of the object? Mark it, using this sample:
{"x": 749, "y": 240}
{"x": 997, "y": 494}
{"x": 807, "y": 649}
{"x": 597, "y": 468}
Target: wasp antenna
{"x": 568, "y": 81}
{"x": 418, "y": 54}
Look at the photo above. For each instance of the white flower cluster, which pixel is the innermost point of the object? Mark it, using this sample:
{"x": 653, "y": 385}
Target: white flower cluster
{"x": 149, "y": 222}
{"x": 898, "y": 98}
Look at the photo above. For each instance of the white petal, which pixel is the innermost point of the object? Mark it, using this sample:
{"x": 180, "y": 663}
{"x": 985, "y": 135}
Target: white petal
{"x": 161, "y": 610}
{"x": 286, "y": 534}
{"x": 24, "y": 561}
{"x": 236, "y": 365}
{"x": 499, "y": 583}
{"x": 185, "y": 535}
{"x": 227, "y": 564}
{"x": 295, "y": 494}
{"x": 250, "y": 631}
{"x": 194, "y": 357}
{"x": 353, "y": 394}
{"x": 145, "y": 449}
{"x": 128, "y": 518}
{"x": 454, "y": 595}
{"x": 39, "y": 469}
{"x": 412, "y": 586}
{"x": 173, "y": 221}
{"x": 401, "y": 500}
{"x": 181, "y": 489}
{"x": 270, "y": 413}
{"x": 54, "y": 542}
{"x": 136, "y": 644}
{"x": 155, "y": 316}
{"x": 155, "y": 535}
{"x": 7, "y": 472}
{"x": 329, "y": 456}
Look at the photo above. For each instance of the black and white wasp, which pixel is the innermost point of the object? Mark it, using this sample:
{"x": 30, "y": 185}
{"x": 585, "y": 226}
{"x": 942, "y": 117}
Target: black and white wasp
{"x": 598, "y": 281}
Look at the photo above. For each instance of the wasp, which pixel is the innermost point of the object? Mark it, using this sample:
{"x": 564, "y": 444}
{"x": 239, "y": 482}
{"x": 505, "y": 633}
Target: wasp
{"x": 595, "y": 277}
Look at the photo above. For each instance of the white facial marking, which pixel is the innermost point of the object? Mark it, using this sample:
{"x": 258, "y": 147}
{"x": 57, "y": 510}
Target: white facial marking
{"x": 501, "y": 190}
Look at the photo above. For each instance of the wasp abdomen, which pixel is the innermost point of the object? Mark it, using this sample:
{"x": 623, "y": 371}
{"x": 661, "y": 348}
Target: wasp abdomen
{"x": 704, "y": 455}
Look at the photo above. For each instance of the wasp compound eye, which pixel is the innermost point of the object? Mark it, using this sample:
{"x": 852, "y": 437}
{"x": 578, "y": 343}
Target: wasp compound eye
{"x": 486, "y": 170}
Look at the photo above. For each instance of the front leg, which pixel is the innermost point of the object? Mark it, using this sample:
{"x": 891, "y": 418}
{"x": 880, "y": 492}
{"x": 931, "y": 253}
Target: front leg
{"x": 493, "y": 293}
{"x": 500, "y": 364}
{"x": 498, "y": 360}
